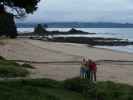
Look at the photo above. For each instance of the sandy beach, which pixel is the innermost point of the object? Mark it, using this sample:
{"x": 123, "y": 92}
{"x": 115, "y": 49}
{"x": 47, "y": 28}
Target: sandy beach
{"x": 42, "y": 51}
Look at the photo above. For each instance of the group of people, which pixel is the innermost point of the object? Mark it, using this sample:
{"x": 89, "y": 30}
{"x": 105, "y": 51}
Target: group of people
{"x": 88, "y": 69}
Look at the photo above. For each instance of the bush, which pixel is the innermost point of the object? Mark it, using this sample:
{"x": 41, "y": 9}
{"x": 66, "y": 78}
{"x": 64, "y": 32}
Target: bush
{"x": 113, "y": 91}
{"x": 100, "y": 90}
{"x": 83, "y": 86}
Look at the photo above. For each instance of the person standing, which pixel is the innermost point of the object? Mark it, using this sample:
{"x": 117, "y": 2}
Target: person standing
{"x": 88, "y": 71}
{"x": 83, "y": 69}
{"x": 93, "y": 68}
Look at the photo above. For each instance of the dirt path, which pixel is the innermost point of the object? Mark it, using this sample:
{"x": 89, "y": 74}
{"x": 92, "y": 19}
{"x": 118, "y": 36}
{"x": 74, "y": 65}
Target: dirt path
{"x": 61, "y": 61}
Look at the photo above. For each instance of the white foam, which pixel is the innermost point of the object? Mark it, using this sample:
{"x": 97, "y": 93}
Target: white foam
{"x": 128, "y": 49}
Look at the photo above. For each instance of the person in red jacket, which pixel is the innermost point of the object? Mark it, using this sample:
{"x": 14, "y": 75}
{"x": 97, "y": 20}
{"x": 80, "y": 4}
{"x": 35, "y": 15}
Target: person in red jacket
{"x": 93, "y": 68}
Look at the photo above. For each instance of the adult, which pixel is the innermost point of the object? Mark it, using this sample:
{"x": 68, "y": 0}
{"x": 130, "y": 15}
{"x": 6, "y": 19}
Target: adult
{"x": 83, "y": 68}
{"x": 93, "y": 68}
{"x": 88, "y": 71}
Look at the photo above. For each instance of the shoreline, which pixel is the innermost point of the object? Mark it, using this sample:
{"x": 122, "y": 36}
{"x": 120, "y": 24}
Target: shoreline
{"x": 118, "y": 51}
{"x": 109, "y": 49}
{"x": 84, "y": 46}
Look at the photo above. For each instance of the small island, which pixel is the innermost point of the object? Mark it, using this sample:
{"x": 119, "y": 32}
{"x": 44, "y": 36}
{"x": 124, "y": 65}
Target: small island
{"x": 71, "y": 31}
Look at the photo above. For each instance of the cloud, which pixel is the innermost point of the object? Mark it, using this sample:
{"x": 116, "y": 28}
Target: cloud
{"x": 83, "y": 10}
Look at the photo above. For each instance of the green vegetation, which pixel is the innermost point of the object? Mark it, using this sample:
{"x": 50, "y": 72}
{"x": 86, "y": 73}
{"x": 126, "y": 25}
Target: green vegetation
{"x": 38, "y": 89}
{"x": 7, "y": 25}
{"x": 100, "y": 90}
{"x": 114, "y": 91}
{"x": 46, "y": 89}
{"x": 19, "y": 6}
{"x": 11, "y": 69}
{"x": 72, "y": 89}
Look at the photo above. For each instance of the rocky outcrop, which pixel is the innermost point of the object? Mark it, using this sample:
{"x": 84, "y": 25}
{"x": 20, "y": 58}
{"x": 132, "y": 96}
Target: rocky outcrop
{"x": 71, "y": 31}
{"x": 93, "y": 41}
{"x": 40, "y": 30}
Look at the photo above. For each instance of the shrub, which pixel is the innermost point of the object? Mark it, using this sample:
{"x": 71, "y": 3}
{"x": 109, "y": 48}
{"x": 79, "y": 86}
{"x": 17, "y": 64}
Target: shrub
{"x": 86, "y": 87}
{"x": 113, "y": 91}
{"x": 100, "y": 90}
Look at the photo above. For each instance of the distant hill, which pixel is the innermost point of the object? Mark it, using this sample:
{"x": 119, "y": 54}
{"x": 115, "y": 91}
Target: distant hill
{"x": 77, "y": 25}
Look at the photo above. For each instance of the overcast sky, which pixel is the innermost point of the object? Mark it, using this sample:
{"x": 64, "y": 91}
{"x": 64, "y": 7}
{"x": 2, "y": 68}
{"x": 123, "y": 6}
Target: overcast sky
{"x": 83, "y": 10}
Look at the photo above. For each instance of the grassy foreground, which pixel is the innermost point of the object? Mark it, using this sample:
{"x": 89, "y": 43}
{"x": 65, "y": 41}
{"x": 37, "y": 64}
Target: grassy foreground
{"x": 11, "y": 69}
{"x": 38, "y": 89}
{"x": 45, "y": 89}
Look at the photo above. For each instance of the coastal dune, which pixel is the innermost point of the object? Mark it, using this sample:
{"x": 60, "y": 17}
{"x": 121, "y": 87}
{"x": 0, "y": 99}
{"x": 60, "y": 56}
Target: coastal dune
{"x": 61, "y": 57}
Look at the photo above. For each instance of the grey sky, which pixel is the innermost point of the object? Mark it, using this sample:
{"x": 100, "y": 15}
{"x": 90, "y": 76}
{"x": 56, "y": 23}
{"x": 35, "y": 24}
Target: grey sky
{"x": 83, "y": 10}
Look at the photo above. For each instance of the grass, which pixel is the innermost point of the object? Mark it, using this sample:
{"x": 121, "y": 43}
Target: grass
{"x": 11, "y": 69}
{"x": 46, "y": 89}
{"x": 36, "y": 90}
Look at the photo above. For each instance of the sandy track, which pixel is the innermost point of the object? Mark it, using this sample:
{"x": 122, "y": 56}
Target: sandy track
{"x": 33, "y": 50}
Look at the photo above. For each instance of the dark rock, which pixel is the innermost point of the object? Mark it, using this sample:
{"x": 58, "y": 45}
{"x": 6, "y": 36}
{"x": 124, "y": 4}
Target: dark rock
{"x": 75, "y": 31}
{"x": 39, "y": 30}
{"x": 93, "y": 41}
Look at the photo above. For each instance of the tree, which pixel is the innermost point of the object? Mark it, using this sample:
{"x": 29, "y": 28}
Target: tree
{"x": 17, "y": 8}
{"x": 7, "y": 25}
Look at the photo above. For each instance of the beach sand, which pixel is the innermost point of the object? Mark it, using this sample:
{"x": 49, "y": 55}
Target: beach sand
{"x": 42, "y": 51}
